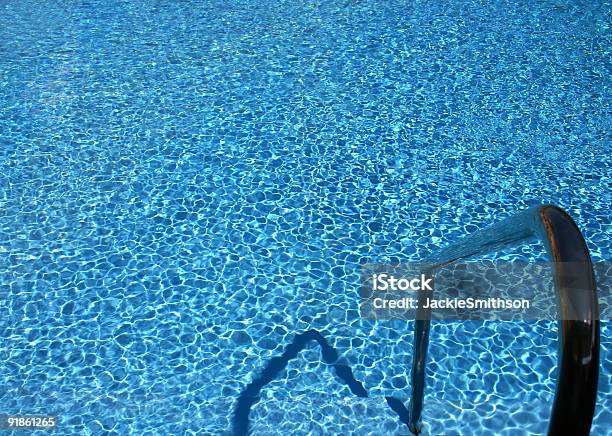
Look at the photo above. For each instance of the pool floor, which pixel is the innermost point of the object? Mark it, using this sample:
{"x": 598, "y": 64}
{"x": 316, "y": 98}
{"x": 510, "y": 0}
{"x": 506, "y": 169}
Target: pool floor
{"x": 187, "y": 186}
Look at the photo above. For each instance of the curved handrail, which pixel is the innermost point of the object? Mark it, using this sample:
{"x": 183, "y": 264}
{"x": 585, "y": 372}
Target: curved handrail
{"x": 574, "y": 404}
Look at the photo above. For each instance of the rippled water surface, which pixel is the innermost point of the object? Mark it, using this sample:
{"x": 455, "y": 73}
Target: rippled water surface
{"x": 186, "y": 186}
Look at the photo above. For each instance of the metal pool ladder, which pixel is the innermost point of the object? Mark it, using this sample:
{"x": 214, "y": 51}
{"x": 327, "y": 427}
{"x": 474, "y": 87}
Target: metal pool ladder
{"x": 578, "y": 359}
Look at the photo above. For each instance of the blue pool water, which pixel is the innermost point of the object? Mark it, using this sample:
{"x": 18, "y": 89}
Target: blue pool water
{"x": 186, "y": 186}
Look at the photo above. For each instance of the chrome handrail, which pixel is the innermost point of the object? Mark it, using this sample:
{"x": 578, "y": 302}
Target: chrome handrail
{"x": 576, "y": 392}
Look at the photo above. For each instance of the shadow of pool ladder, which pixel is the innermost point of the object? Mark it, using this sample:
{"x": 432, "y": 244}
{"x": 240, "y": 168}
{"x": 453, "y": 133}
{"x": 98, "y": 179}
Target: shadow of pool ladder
{"x": 578, "y": 359}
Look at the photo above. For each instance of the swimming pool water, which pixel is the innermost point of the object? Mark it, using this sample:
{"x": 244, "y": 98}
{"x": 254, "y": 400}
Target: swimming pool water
{"x": 187, "y": 186}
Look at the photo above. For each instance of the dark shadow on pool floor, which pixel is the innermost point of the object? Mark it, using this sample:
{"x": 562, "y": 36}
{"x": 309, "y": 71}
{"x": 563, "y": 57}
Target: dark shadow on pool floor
{"x": 250, "y": 395}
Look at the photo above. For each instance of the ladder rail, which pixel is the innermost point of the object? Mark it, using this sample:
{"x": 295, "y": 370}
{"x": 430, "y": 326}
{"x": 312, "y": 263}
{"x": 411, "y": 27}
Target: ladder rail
{"x": 578, "y": 360}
